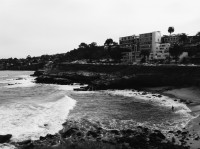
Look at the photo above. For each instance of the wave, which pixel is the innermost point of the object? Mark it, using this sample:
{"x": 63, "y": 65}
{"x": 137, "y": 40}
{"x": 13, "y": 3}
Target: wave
{"x": 30, "y": 121}
{"x": 20, "y": 81}
{"x": 159, "y": 100}
{"x": 69, "y": 87}
{"x": 7, "y": 146}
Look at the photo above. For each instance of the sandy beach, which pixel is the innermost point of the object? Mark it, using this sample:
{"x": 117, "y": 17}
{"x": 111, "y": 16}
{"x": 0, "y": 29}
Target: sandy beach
{"x": 191, "y": 97}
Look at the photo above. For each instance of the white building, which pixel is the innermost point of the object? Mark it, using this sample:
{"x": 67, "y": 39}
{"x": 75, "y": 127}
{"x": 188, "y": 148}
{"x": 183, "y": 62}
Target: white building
{"x": 161, "y": 52}
{"x": 150, "y": 42}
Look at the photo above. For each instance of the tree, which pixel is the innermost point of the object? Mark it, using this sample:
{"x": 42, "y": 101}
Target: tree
{"x": 175, "y": 51}
{"x": 198, "y": 37}
{"x": 108, "y": 43}
{"x": 116, "y": 53}
{"x": 145, "y": 54}
{"x": 93, "y": 44}
{"x": 171, "y": 29}
{"x": 183, "y": 38}
{"x": 83, "y": 45}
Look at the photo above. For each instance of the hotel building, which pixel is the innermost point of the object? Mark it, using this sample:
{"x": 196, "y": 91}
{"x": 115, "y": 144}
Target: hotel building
{"x": 150, "y": 42}
{"x": 131, "y": 43}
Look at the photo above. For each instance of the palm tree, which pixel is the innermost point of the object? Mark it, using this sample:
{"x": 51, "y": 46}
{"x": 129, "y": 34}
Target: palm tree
{"x": 171, "y": 29}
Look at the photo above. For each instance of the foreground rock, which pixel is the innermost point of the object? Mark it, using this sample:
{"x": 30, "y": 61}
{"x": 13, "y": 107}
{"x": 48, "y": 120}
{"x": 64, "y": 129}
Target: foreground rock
{"x": 87, "y": 135}
{"x": 5, "y": 138}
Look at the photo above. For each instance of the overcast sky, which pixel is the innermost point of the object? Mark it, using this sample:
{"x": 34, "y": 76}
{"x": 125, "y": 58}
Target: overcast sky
{"x": 37, "y": 27}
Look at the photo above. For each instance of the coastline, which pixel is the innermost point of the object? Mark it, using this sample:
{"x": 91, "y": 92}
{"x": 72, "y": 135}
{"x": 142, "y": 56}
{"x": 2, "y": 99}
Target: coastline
{"x": 189, "y": 95}
{"x": 183, "y": 138}
{"x": 74, "y": 133}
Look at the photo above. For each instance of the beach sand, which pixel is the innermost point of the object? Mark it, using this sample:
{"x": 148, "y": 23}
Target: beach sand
{"x": 191, "y": 97}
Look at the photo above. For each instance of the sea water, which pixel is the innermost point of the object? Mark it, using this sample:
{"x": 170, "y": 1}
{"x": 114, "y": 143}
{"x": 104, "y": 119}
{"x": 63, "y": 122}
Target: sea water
{"x": 29, "y": 110}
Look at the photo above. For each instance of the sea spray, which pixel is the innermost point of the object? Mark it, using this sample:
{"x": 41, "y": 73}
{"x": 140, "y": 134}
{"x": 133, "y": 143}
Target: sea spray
{"x": 26, "y": 121}
{"x": 19, "y": 81}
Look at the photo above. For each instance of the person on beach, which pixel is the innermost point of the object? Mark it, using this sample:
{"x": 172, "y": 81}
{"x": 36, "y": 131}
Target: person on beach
{"x": 172, "y": 108}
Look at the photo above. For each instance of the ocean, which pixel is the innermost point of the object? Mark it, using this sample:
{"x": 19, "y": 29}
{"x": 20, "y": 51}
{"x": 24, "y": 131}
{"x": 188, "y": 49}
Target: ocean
{"x": 29, "y": 110}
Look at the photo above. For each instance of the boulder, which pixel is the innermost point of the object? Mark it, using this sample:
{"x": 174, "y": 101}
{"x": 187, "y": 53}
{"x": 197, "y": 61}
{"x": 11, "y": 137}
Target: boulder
{"x": 69, "y": 132}
{"x": 127, "y": 132}
{"x": 5, "y": 138}
{"x": 24, "y": 142}
{"x": 92, "y": 133}
{"x": 116, "y": 132}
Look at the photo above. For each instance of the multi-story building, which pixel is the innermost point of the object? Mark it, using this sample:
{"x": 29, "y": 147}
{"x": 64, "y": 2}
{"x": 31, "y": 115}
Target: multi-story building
{"x": 162, "y": 52}
{"x": 131, "y": 43}
{"x": 150, "y": 42}
{"x": 172, "y": 39}
{"x": 127, "y": 41}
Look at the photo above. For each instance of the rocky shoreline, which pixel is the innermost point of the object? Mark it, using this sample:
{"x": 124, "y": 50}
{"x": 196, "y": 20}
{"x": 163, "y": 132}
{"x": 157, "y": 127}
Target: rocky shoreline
{"x": 79, "y": 135}
{"x": 84, "y": 134}
{"x": 87, "y": 135}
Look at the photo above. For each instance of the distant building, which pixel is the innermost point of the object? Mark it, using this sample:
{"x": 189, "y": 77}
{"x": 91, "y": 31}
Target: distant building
{"x": 131, "y": 43}
{"x": 150, "y": 42}
{"x": 162, "y": 52}
{"x": 171, "y": 39}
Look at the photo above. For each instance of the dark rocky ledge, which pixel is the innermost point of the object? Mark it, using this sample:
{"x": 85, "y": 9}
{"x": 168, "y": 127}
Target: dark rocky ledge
{"x": 121, "y": 76}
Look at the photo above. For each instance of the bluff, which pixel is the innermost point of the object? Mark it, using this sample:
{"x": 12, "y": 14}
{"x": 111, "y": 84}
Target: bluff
{"x": 100, "y": 76}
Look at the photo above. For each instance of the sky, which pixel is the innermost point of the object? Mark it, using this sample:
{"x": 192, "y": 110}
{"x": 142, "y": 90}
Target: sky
{"x": 37, "y": 27}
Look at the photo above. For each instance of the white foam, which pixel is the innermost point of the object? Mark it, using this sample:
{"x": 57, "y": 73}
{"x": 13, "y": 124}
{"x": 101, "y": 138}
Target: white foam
{"x": 21, "y": 81}
{"x": 26, "y": 121}
{"x": 69, "y": 87}
{"x": 7, "y": 146}
{"x": 164, "y": 101}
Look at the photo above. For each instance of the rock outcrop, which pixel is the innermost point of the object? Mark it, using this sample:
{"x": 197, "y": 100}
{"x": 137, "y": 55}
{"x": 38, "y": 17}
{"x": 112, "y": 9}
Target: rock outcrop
{"x": 121, "y": 76}
{"x": 5, "y": 138}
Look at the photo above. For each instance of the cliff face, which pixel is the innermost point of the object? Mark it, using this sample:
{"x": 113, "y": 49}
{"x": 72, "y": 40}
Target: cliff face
{"x": 121, "y": 76}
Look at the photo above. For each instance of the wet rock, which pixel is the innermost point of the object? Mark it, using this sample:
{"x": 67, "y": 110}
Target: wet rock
{"x": 116, "y": 132}
{"x": 184, "y": 133}
{"x": 42, "y": 138}
{"x": 79, "y": 134}
{"x": 144, "y": 93}
{"x": 5, "y": 138}
{"x": 145, "y": 130}
{"x": 27, "y": 146}
{"x": 157, "y": 131}
{"x": 178, "y": 131}
{"x": 196, "y": 138}
{"x": 160, "y": 135}
{"x": 24, "y": 142}
{"x": 138, "y": 140}
{"x": 127, "y": 132}
{"x": 140, "y": 127}
{"x": 92, "y": 133}
{"x": 173, "y": 140}
{"x": 156, "y": 137}
{"x": 49, "y": 136}
{"x": 69, "y": 132}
